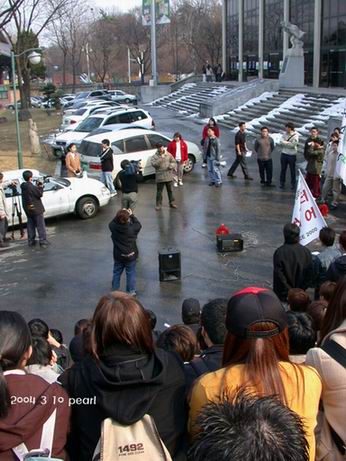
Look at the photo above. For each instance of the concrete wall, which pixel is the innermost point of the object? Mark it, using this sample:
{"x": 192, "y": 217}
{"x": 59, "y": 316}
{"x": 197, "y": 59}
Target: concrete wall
{"x": 240, "y": 95}
{"x": 150, "y": 93}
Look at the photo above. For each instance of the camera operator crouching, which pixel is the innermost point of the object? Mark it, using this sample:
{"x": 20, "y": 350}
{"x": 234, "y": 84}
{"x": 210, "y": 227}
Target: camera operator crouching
{"x": 34, "y": 209}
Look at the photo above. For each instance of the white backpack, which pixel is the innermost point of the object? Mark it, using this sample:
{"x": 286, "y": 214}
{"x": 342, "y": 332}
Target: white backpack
{"x": 138, "y": 442}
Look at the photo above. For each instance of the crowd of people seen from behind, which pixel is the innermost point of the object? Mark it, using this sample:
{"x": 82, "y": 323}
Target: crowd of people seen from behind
{"x": 257, "y": 376}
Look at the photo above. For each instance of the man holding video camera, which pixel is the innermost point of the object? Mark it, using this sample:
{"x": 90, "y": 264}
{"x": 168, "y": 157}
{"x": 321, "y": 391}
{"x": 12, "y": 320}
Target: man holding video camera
{"x": 34, "y": 209}
{"x": 4, "y": 215}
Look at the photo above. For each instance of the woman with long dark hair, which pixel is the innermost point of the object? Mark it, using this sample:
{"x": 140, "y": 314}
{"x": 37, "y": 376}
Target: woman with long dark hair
{"x": 256, "y": 358}
{"x": 29, "y": 405}
{"x": 332, "y": 430}
{"x": 124, "y": 378}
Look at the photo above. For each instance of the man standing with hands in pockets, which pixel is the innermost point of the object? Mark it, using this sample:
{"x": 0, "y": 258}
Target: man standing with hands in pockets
{"x": 107, "y": 166}
{"x": 240, "y": 151}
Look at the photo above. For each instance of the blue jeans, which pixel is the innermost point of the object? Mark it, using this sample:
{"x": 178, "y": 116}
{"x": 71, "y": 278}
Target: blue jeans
{"x": 118, "y": 268}
{"x": 214, "y": 172}
{"x": 107, "y": 179}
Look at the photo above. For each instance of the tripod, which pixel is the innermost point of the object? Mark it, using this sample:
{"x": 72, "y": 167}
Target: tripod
{"x": 17, "y": 210}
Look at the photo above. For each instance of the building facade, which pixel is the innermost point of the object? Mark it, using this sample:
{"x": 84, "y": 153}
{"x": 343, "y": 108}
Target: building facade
{"x": 253, "y": 36}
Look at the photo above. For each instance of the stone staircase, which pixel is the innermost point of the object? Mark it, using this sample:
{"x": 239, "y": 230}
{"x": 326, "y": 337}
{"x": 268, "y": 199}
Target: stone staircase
{"x": 188, "y": 98}
{"x": 303, "y": 110}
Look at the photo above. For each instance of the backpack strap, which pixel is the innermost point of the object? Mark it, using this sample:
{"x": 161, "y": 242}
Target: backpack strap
{"x": 46, "y": 439}
{"x": 338, "y": 353}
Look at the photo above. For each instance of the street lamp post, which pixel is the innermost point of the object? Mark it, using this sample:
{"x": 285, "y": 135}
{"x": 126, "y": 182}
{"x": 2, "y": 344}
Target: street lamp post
{"x": 34, "y": 58}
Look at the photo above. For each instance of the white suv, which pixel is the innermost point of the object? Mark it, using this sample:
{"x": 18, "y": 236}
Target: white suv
{"x": 139, "y": 117}
{"x": 130, "y": 144}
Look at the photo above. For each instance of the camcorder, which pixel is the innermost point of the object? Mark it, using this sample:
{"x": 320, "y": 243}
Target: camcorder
{"x": 13, "y": 187}
{"x": 136, "y": 164}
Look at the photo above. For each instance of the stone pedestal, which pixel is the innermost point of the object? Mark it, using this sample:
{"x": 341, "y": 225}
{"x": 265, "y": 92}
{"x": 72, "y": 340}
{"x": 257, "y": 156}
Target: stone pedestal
{"x": 292, "y": 73}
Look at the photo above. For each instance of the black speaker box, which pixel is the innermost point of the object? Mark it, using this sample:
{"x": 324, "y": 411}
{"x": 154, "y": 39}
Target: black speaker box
{"x": 230, "y": 243}
{"x": 169, "y": 264}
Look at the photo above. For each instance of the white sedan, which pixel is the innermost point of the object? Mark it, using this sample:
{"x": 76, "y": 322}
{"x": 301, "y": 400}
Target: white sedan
{"x": 130, "y": 144}
{"x": 83, "y": 196}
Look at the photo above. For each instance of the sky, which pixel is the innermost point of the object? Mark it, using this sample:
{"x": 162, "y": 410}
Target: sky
{"x": 122, "y": 5}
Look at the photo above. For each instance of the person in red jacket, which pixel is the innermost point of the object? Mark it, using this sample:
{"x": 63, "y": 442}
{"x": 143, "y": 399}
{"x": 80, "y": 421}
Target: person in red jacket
{"x": 211, "y": 124}
{"x": 178, "y": 149}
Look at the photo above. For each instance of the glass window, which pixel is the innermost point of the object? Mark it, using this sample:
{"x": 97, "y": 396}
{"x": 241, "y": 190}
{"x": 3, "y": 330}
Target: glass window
{"x": 135, "y": 144}
{"x": 96, "y": 93}
{"x": 157, "y": 139}
{"x": 125, "y": 118}
{"x": 80, "y": 112}
{"x": 90, "y": 149}
{"x": 138, "y": 115}
{"x": 89, "y": 124}
{"x": 112, "y": 120}
{"x": 50, "y": 186}
{"x": 118, "y": 147}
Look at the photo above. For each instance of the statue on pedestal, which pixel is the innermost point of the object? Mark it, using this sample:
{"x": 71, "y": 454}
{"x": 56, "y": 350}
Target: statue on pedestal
{"x": 295, "y": 37}
{"x": 292, "y": 72}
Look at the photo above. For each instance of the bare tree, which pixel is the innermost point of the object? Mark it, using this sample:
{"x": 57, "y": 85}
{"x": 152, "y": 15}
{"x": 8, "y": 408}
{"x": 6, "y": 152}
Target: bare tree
{"x": 103, "y": 43}
{"x": 7, "y": 10}
{"x": 23, "y": 31}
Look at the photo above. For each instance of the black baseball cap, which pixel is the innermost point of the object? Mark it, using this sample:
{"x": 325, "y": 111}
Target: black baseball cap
{"x": 254, "y": 305}
{"x": 191, "y": 310}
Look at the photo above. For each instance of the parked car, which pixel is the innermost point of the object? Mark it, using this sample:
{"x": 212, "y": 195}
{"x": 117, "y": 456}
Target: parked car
{"x": 137, "y": 116}
{"x": 68, "y": 110}
{"x": 83, "y": 196}
{"x": 71, "y": 120}
{"x": 11, "y": 106}
{"x": 92, "y": 94}
{"x": 36, "y": 101}
{"x": 130, "y": 144}
{"x": 120, "y": 96}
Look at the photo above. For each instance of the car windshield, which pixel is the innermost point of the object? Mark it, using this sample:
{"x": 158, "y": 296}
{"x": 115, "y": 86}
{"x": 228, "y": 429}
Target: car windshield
{"x": 80, "y": 112}
{"x": 62, "y": 181}
{"x": 84, "y": 94}
{"x": 89, "y": 124}
{"x": 90, "y": 149}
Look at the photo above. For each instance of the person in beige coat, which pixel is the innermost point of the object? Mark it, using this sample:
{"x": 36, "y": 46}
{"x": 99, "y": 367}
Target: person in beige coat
{"x": 331, "y": 429}
{"x": 72, "y": 161}
{"x": 4, "y": 215}
{"x": 165, "y": 165}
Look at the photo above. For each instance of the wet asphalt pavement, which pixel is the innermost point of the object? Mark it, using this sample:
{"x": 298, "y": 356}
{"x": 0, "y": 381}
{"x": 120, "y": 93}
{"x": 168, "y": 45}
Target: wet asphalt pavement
{"x": 64, "y": 282}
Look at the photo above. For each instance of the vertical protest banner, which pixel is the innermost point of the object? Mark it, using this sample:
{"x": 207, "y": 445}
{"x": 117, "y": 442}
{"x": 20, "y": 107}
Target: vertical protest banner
{"x": 340, "y": 169}
{"x": 306, "y": 213}
{"x": 162, "y": 8}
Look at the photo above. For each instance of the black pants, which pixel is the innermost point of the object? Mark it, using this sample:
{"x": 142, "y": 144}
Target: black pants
{"x": 159, "y": 189}
{"x": 288, "y": 160}
{"x": 239, "y": 160}
{"x": 36, "y": 222}
{"x": 266, "y": 170}
{"x": 3, "y": 229}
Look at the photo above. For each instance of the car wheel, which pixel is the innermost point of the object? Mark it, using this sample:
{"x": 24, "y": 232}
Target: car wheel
{"x": 127, "y": 100}
{"x": 87, "y": 207}
{"x": 190, "y": 164}
{"x": 10, "y": 107}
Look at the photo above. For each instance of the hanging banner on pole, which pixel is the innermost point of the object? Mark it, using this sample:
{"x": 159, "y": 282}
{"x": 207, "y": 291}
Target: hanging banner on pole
{"x": 162, "y": 12}
{"x": 340, "y": 169}
{"x": 306, "y": 213}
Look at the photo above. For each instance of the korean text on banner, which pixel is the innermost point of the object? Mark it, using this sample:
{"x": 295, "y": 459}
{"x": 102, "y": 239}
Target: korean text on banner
{"x": 306, "y": 213}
